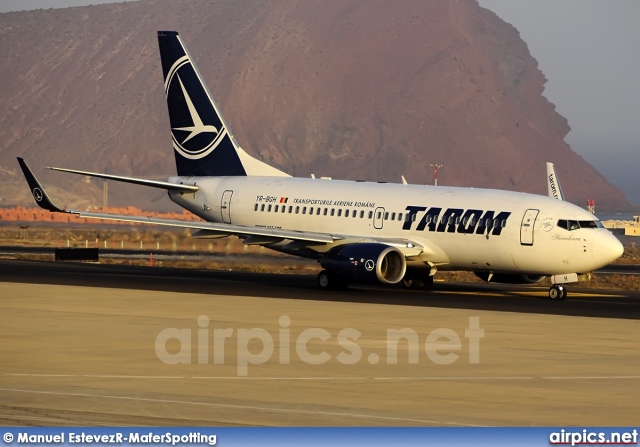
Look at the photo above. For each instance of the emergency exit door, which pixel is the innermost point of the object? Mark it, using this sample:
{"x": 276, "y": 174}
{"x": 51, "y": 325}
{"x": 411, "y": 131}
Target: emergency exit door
{"x": 225, "y": 206}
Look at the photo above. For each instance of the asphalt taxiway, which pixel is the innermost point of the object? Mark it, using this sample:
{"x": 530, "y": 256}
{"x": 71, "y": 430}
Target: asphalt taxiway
{"x": 86, "y": 344}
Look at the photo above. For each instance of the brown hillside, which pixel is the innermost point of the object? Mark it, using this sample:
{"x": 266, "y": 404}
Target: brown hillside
{"x": 357, "y": 89}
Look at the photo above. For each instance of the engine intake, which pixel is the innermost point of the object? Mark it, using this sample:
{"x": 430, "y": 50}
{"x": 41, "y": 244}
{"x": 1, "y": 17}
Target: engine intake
{"x": 366, "y": 262}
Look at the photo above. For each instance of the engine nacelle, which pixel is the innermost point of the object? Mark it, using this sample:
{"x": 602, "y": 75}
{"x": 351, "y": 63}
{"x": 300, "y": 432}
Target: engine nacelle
{"x": 507, "y": 278}
{"x": 366, "y": 262}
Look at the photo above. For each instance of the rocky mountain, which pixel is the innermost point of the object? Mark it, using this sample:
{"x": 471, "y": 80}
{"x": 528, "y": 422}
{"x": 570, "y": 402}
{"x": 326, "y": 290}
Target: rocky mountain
{"x": 356, "y": 89}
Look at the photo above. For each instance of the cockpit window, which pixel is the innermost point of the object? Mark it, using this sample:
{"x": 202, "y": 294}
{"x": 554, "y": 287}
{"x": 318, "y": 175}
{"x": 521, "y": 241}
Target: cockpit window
{"x": 575, "y": 224}
{"x": 588, "y": 224}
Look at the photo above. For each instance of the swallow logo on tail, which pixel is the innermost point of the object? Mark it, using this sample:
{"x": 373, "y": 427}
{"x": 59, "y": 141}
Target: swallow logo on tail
{"x": 196, "y": 129}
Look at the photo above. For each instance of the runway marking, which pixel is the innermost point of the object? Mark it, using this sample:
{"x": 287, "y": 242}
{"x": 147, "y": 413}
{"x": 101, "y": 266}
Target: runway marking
{"x": 33, "y": 418}
{"x": 589, "y": 377}
{"x": 242, "y": 407}
{"x": 531, "y": 293}
{"x": 95, "y": 376}
{"x": 319, "y": 378}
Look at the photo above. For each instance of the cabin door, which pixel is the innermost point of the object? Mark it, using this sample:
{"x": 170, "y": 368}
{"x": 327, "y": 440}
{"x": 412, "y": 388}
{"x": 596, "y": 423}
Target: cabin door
{"x": 527, "y": 226}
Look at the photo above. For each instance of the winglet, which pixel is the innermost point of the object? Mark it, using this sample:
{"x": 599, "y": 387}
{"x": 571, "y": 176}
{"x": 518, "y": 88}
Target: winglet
{"x": 553, "y": 183}
{"x": 42, "y": 199}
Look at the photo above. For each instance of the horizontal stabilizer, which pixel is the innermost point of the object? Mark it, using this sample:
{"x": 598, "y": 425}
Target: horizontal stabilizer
{"x": 135, "y": 181}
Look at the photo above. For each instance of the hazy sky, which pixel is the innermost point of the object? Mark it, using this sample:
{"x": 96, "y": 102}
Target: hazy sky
{"x": 588, "y": 51}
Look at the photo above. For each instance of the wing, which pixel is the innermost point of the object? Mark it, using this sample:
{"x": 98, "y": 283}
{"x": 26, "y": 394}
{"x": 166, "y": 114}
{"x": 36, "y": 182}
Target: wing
{"x": 269, "y": 235}
{"x": 252, "y": 235}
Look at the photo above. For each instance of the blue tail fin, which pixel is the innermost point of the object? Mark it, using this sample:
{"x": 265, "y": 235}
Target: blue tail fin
{"x": 201, "y": 142}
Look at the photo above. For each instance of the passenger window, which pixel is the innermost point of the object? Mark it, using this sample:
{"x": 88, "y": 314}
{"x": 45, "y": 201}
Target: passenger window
{"x": 269, "y": 209}
{"x": 304, "y": 210}
{"x": 290, "y": 209}
{"x": 400, "y": 216}
{"x": 311, "y": 210}
{"x": 276, "y": 209}
{"x": 370, "y": 214}
{"x": 255, "y": 208}
{"x": 318, "y": 211}
{"x": 393, "y": 216}
{"x": 284, "y": 209}
{"x": 297, "y": 209}
{"x": 354, "y": 214}
{"x": 346, "y": 213}
{"x": 339, "y": 212}
{"x": 333, "y": 212}
{"x": 413, "y": 217}
{"x": 361, "y": 214}
{"x": 325, "y": 211}
{"x": 386, "y": 216}
{"x": 504, "y": 224}
{"x": 262, "y": 207}
{"x": 464, "y": 221}
{"x": 379, "y": 214}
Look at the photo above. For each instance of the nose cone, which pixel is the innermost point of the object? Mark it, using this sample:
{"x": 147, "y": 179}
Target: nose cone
{"x": 607, "y": 249}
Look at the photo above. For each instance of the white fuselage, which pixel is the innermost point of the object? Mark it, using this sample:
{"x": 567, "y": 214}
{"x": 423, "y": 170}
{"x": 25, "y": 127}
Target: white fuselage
{"x": 458, "y": 228}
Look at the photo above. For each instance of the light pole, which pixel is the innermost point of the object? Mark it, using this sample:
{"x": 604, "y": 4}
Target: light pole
{"x": 435, "y": 172}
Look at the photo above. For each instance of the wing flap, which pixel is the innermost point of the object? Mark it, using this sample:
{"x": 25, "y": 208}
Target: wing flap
{"x": 216, "y": 227}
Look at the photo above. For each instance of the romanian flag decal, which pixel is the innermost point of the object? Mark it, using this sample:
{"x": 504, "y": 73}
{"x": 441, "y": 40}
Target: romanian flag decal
{"x": 284, "y": 199}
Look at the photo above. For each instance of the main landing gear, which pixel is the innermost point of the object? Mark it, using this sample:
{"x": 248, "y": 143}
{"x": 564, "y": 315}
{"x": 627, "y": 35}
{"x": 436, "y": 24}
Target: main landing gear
{"x": 419, "y": 283}
{"x": 557, "y": 292}
{"x": 330, "y": 281}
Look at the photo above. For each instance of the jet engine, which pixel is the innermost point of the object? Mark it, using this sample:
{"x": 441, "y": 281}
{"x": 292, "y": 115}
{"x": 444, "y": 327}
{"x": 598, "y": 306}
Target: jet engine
{"x": 509, "y": 278}
{"x": 367, "y": 262}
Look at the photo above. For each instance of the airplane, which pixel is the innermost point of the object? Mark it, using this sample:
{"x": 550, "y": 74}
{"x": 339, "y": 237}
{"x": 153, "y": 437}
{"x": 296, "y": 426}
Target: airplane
{"x": 553, "y": 183}
{"x": 359, "y": 231}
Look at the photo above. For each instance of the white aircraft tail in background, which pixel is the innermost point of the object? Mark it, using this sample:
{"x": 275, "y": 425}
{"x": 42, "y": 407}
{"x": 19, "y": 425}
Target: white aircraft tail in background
{"x": 553, "y": 183}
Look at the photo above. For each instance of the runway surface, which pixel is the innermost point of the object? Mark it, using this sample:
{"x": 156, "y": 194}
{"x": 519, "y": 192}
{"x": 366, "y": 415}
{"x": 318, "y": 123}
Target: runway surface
{"x": 83, "y": 344}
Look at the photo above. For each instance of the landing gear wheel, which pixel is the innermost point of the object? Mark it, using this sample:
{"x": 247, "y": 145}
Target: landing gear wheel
{"x": 328, "y": 281}
{"x": 323, "y": 280}
{"x": 427, "y": 282}
{"x": 557, "y": 292}
{"x": 417, "y": 283}
{"x": 408, "y": 283}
